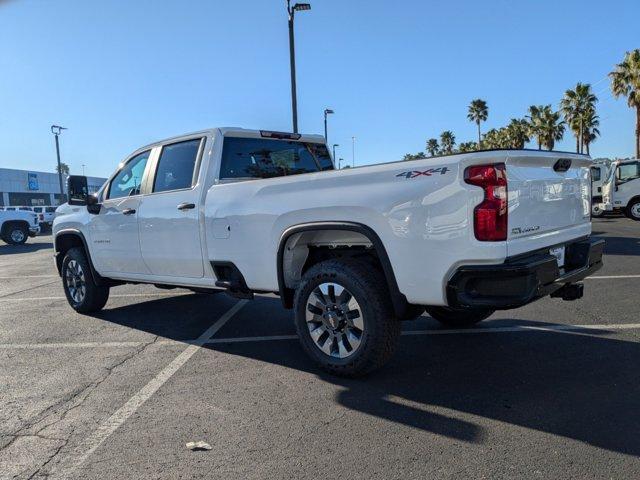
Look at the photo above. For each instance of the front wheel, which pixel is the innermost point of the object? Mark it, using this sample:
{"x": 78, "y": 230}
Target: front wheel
{"x": 633, "y": 210}
{"x": 459, "y": 317}
{"x": 596, "y": 211}
{"x": 82, "y": 293}
{"x": 16, "y": 234}
{"x": 344, "y": 318}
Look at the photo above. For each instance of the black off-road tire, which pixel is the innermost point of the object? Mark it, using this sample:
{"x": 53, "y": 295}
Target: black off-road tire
{"x": 95, "y": 296}
{"x": 381, "y": 329}
{"x": 8, "y": 230}
{"x": 459, "y": 317}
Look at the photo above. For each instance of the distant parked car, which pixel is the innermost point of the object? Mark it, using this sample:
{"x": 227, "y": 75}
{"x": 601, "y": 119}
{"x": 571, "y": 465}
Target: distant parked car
{"x": 45, "y": 216}
{"x": 16, "y": 226}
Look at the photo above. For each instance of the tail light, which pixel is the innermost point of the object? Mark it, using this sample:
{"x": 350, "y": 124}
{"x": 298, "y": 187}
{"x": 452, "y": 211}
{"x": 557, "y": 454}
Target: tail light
{"x": 41, "y": 217}
{"x": 490, "y": 217}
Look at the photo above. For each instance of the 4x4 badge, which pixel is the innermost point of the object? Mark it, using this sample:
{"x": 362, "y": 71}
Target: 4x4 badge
{"x": 426, "y": 173}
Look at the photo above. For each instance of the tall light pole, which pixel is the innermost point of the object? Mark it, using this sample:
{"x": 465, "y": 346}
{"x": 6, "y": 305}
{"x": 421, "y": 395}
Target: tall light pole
{"x": 327, "y": 111}
{"x": 334, "y": 151}
{"x": 340, "y": 163}
{"x": 353, "y": 151}
{"x": 57, "y": 130}
{"x": 292, "y": 58}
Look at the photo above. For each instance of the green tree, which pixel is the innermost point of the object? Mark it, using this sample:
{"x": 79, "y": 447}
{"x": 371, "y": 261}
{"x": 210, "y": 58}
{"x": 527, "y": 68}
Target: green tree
{"x": 546, "y": 125}
{"x": 478, "y": 112}
{"x": 465, "y": 147}
{"x": 447, "y": 141}
{"x": 517, "y": 133}
{"x": 625, "y": 82}
{"x": 590, "y": 131}
{"x": 62, "y": 168}
{"x": 432, "y": 147}
{"x": 576, "y": 106}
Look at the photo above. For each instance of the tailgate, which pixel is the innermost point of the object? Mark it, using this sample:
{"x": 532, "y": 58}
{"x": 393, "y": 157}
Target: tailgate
{"x": 549, "y": 200}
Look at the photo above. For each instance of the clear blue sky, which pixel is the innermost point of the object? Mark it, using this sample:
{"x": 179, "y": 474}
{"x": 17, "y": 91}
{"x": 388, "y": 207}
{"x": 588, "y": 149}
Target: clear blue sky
{"x": 121, "y": 74}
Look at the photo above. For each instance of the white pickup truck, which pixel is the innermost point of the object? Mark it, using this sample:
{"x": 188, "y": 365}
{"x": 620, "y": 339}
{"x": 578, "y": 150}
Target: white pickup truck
{"x": 17, "y": 225}
{"x": 351, "y": 251}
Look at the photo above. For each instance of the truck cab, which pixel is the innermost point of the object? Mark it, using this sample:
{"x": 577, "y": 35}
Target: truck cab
{"x": 621, "y": 189}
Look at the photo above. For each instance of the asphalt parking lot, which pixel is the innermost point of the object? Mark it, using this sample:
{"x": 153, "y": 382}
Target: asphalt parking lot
{"x": 550, "y": 390}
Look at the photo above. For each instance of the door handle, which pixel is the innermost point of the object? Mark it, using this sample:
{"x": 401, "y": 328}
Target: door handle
{"x": 186, "y": 206}
{"x": 128, "y": 211}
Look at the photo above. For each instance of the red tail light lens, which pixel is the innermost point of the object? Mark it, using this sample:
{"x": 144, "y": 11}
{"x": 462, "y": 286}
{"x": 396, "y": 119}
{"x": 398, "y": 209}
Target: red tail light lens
{"x": 490, "y": 217}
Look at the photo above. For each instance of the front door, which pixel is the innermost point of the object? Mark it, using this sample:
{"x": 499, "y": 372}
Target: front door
{"x": 170, "y": 214}
{"x": 114, "y": 231}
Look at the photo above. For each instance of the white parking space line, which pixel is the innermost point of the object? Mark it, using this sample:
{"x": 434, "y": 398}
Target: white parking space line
{"x": 123, "y": 295}
{"x": 28, "y": 276}
{"x": 106, "y": 428}
{"x": 611, "y": 277}
{"x": 576, "y": 329}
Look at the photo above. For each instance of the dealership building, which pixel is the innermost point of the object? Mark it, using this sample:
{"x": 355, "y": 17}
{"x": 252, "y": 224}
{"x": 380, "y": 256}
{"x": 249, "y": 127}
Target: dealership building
{"x": 31, "y": 188}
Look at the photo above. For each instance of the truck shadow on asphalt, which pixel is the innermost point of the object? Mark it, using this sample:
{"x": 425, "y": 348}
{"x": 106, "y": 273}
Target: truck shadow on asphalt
{"x": 620, "y": 245}
{"x": 577, "y": 386}
{"x": 6, "y": 249}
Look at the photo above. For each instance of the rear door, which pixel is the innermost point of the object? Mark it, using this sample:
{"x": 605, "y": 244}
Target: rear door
{"x": 549, "y": 200}
{"x": 169, "y": 217}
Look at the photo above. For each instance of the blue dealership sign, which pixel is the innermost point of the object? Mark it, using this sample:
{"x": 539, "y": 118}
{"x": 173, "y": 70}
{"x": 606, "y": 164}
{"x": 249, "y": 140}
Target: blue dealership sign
{"x": 33, "y": 181}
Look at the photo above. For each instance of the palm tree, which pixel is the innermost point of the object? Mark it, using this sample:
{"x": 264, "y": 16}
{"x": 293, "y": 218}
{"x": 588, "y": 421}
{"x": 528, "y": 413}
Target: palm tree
{"x": 448, "y": 141}
{"x": 625, "y": 82}
{"x": 62, "y": 168}
{"x": 535, "y": 123}
{"x": 590, "y": 131}
{"x": 478, "y": 112}
{"x": 574, "y": 106}
{"x": 465, "y": 147}
{"x": 433, "y": 147}
{"x": 552, "y": 127}
{"x": 517, "y": 133}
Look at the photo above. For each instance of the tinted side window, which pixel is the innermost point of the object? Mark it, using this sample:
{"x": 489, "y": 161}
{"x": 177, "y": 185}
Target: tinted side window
{"x": 595, "y": 174}
{"x": 176, "y": 165}
{"x": 127, "y": 181}
{"x": 267, "y": 158}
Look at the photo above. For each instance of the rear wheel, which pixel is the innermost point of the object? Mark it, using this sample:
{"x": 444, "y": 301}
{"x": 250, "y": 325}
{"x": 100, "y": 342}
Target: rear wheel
{"x": 596, "y": 211}
{"x": 344, "y": 318}
{"x": 633, "y": 209}
{"x": 82, "y": 293}
{"x": 15, "y": 234}
{"x": 459, "y": 317}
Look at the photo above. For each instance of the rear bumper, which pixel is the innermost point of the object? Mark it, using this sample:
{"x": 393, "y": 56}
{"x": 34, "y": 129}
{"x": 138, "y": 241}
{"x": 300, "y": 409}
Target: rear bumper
{"x": 523, "y": 279}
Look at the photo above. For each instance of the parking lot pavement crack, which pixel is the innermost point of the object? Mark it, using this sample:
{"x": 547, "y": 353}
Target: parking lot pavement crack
{"x": 61, "y": 409}
{"x": 28, "y": 289}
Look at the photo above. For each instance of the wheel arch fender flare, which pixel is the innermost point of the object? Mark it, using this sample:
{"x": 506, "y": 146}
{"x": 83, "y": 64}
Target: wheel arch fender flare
{"x": 398, "y": 299}
{"x": 72, "y": 234}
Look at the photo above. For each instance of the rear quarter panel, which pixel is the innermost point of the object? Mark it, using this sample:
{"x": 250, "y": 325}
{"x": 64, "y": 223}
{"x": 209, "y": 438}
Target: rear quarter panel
{"x": 423, "y": 219}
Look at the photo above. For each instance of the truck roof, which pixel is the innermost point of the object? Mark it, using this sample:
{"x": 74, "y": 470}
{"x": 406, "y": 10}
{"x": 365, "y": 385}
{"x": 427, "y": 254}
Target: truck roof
{"x": 238, "y": 132}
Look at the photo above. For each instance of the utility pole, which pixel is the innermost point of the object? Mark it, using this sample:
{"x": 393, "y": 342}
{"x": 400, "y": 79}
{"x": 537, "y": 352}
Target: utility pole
{"x": 292, "y": 58}
{"x": 334, "y": 151}
{"x": 353, "y": 151}
{"x": 57, "y": 130}
{"x": 327, "y": 111}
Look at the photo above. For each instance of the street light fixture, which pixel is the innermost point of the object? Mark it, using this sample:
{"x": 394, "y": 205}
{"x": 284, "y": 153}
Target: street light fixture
{"x": 292, "y": 58}
{"x": 57, "y": 130}
{"x": 327, "y": 111}
{"x": 334, "y": 151}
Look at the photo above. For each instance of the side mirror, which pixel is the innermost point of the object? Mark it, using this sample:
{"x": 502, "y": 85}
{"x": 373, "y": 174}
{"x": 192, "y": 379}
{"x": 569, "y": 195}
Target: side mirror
{"x": 77, "y": 190}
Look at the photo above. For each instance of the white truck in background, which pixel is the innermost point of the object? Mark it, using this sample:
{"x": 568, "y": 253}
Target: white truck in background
{"x": 621, "y": 188}
{"x": 17, "y": 225}
{"x": 352, "y": 251}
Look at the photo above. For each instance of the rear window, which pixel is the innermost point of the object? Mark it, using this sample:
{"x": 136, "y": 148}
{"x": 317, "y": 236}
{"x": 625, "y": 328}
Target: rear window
{"x": 267, "y": 158}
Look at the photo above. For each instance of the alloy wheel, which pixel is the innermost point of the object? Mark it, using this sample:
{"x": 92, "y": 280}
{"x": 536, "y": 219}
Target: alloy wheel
{"x": 75, "y": 280}
{"x": 335, "y": 320}
{"x": 17, "y": 235}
